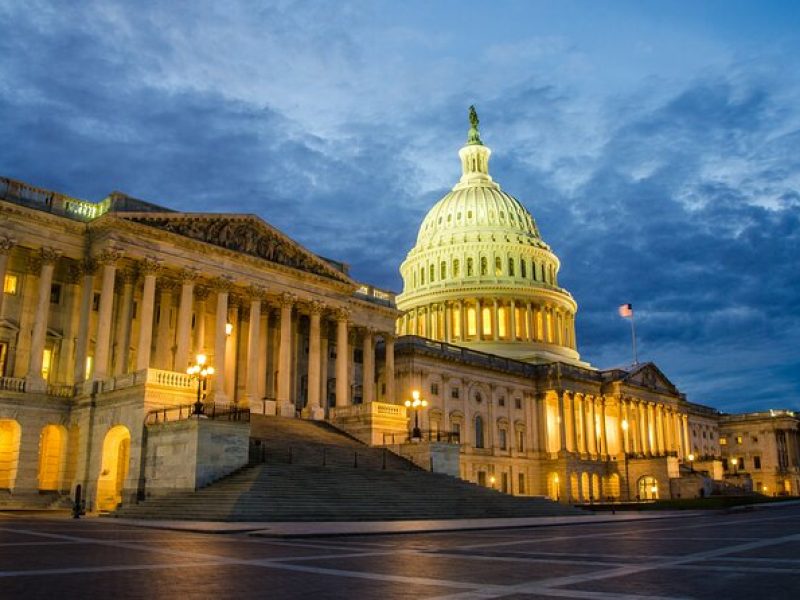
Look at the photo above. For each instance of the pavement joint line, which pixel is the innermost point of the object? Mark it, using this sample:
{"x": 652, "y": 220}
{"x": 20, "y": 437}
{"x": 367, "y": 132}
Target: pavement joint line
{"x": 103, "y": 569}
{"x": 739, "y": 569}
{"x": 609, "y": 534}
{"x": 538, "y": 587}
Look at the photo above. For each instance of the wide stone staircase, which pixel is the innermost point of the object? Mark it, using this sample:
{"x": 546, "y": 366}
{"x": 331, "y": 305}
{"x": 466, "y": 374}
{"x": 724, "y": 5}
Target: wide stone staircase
{"x": 309, "y": 471}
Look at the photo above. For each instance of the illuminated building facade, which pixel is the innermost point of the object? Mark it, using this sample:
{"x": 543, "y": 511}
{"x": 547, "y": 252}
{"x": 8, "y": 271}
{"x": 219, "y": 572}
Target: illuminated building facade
{"x": 105, "y": 305}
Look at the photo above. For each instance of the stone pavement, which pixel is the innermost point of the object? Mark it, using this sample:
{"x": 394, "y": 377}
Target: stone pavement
{"x": 746, "y": 554}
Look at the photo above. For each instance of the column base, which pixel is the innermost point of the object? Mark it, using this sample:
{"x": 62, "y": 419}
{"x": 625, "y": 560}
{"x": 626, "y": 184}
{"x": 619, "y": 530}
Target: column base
{"x": 285, "y": 409}
{"x": 315, "y": 413}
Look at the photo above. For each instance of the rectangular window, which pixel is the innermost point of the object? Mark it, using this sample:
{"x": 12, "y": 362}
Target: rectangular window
{"x": 10, "y": 285}
{"x": 504, "y": 484}
{"x": 502, "y": 439}
{"x": 96, "y": 303}
{"x": 3, "y": 358}
{"x": 55, "y": 293}
{"x": 486, "y": 318}
{"x": 756, "y": 463}
{"x": 521, "y": 483}
{"x": 434, "y": 389}
{"x": 358, "y": 356}
{"x": 454, "y": 393}
{"x": 457, "y": 432}
{"x": 47, "y": 362}
{"x": 482, "y": 478}
{"x": 456, "y": 316}
{"x": 501, "y": 401}
{"x": 472, "y": 325}
{"x": 521, "y": 441}
{"x": 518, "y": 403}
{"x": 739, "y": 439}
{"x": 135, "y": 308}
{"x": 723, "y": 441}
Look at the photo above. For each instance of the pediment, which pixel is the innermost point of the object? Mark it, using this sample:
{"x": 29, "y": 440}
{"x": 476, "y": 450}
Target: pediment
{"x": 650, "y": 376}
{"x": 246, "y": 234}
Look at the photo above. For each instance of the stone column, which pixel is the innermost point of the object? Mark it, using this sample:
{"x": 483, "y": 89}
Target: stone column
{"x": 315, "y": 408}
{"x": 284, "y": 399}
{"x": 263, "y": 349}
{"x": 164, "y": 339}
{"x": 593, "y": 429}
{"x": 108, "y": 258}
{"x": 389, "y": 367}
{"x": 147, "y": 269}
{"x": 687, "y": 439}
{"x": 478, "y": 319}
{"x": 6, "y": 243}
{"x": 603, "y": 432}
{"x": 34, "y": 379}
{"x": 66, "y": 366}
{"x": 512, "y": 321}
{"x": 581, "y": 409}
{"x": 462, "y": 316}
{"x": 528, "y": 323}
{"x": 540, "y": 404}
{"x": 200, "y": 297}
{"x": 648, "y": 447}
{"x": 495, "y": 320}
{"x": 368, "y": 367}
{"x": 222, "y": 286}
{"x": 448, "y": 322}
{"x": 342, "y": 383}
{"x": 122, "y": 337}
{"x": 622, "y": 434}
{"x": 86, "y": 268}
{"x": 183, "y": 334}
{"x": 253, "y": 344}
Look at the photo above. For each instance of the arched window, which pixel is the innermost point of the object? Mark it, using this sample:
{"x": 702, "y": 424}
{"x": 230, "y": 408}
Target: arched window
{"x": 415, "y": 279}
{"x": 479, "y": 432}
{"x": 456, "y": 268}
{"x": 422, "y": 275}
{"x": 523, "y": 268}
{"x": 443, "y": 270}
{"x": 484, "y": 266}
{"x": 510, "y": 266}
{"x": 433, "y": 272}
{"x": 534, "y": 268}
{"x": 498, "y": 266}
{"x": 470, "y": 268}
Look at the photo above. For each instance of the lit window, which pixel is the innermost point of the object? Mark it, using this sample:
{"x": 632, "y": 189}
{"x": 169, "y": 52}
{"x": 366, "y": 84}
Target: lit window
{"x": 10, "y": 285}
{"x": 739, "y": 439}
{"x": 486, "y": 317}
{"x": 47, "y": 362}
{"x": 502, "y": 315}
{"x": 472, "y": 327}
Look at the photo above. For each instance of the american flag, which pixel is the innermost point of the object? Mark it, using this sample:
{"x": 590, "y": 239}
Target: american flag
{"x": 626, "y": 310}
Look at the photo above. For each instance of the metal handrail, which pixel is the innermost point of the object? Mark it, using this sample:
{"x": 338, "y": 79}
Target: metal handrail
{"x": 433, "y": 435}
{"x": 212, "y": 410}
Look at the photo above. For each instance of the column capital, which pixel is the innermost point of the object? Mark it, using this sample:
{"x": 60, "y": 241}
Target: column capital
{"x": 108, "y": 256}
{"x": 315, "y": 307}
{"x": 45, "y": 256}
{"x": 167, "y": 285}
{"x": 223, "y": 283}
{"x": 287, "y": 299}
{"x": 74, "y": 272}
{"x": 201, "y": 293}
{"x": 149, "y": 265}
{"x": 188, "y": 275}
{"x": 341, "y": 314}
{"x": 255, "y": 292}
{"x": 389, "y": 337}
{"x": 6, "y": 243}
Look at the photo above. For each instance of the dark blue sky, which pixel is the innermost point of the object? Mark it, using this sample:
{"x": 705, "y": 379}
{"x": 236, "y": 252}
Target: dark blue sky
{"x": 656, "y": 144}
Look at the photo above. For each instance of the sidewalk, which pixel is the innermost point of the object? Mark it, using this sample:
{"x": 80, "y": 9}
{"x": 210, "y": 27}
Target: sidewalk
{"x": 338, "y": 528}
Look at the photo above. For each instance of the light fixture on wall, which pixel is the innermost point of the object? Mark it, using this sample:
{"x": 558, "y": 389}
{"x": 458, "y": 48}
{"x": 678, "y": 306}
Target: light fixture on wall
{"x": 228, "y": 328}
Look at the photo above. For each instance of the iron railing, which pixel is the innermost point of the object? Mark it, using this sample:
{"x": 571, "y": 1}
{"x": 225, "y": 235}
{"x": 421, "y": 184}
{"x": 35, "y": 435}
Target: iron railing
{"x": 213, "y": 410}
{"x": 435, "y": 435}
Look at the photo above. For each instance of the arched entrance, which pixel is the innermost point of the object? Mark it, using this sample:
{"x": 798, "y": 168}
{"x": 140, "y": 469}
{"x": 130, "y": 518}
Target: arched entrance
{"x": 114, "y": 467}
{"x": 52, "y": 442}
{"x": 9, "y": 452}
{"x": 648, "y": 488}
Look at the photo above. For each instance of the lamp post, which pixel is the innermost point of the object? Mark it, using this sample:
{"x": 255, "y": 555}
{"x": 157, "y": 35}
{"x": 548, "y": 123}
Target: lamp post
{"x": 491, "y": 481}
{"x": 200, "y": 371}
{"x": 416, "y": 405}
{"x": 691, "y": 461}
{"x": 734, "y": 462}
{"x": 625, "y": 454}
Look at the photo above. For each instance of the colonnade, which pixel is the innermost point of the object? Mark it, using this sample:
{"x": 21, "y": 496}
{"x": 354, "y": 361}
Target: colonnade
{"x": 132, "y": 325}
{"x": 640, "y": 427}
{"x": 494, "y": 319}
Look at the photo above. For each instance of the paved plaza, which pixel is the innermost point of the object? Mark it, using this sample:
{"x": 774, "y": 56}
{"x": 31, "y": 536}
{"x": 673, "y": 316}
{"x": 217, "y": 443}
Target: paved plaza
{"x": 716, "y": 555}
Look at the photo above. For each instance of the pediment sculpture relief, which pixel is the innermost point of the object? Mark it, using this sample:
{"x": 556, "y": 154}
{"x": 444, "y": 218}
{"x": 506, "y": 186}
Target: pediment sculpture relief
{"x": 246, "y": 236}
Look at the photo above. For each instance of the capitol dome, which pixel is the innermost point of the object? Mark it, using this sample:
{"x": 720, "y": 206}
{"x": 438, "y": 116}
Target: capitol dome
{"x": 481, "y": 276}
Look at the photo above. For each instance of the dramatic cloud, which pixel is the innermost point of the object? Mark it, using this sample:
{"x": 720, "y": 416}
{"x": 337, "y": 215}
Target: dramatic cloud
{"x": 658, "y": 154}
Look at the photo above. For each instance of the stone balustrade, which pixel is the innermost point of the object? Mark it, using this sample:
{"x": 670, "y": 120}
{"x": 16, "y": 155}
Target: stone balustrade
{"x": 12, "y": 384}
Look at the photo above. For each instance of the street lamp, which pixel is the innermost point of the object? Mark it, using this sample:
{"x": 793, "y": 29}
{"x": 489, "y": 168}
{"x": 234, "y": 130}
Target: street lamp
{"x": 491, "y": 481}
{"x": 625, "y": 453}
{"x": 200, "y": 371}
{"x": 416, "y": 405}
{"x": 734, "y": 462}
{"x": 691, "y": 461}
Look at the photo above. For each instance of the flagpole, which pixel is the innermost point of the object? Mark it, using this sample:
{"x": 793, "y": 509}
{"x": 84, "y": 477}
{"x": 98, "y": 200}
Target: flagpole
{"x": 633, "y": 337}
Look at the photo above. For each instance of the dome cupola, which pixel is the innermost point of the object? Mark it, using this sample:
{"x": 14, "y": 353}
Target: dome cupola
{"x": 480, "y": 274}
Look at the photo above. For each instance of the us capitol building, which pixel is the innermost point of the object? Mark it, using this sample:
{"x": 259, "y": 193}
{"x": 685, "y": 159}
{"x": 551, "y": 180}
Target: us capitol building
{"x": 105, "y": 306}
